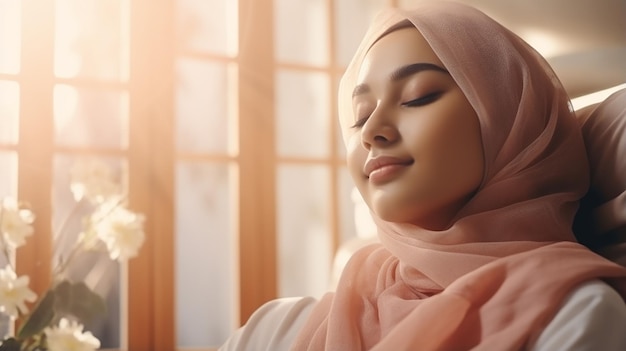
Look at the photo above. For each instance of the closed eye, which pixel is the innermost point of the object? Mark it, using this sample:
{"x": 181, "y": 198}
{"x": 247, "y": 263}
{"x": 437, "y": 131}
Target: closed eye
{"x": 360, "y": 122}
{"x": 421, "y": 101}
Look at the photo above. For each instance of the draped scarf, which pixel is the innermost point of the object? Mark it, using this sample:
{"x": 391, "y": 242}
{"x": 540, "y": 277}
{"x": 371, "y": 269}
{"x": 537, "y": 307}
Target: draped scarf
{"x": 498, "y": 274}
{"x": 601, "y": 222}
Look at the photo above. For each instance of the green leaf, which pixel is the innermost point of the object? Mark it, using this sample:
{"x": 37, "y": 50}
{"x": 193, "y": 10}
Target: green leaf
{"x": 10, "y": 344}
{"x": 75, "y": 299}
{"x": 78, "y": 300}
{"x": 40, "y": 317}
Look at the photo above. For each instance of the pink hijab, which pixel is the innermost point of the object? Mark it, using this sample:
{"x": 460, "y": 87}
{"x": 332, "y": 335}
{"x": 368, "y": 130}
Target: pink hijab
{"x": 601, "y": 221}
{"x": 497, "y": 276}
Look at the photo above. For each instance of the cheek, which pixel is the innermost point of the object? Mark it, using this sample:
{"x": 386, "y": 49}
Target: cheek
{"x": 467, "y": 132}
{"x": 455, "y": 130}
{"x": 460, "y": 146}
{"x": 447, "y": 142}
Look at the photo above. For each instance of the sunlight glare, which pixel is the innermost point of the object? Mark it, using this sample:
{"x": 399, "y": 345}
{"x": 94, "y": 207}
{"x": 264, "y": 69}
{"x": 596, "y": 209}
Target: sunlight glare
{"x": 10, "y": 36}
{"x": 92, "y": 39}
{"x": 67, "y": 61}
{"x": 596, "y": 97}
{"x": 65, "y": 105}
{"x": 546, "y": 43}
{"x": 9, "y": 111}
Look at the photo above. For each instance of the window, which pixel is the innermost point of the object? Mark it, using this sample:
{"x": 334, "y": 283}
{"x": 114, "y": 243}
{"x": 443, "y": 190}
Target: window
{"x": 220, "y": 118}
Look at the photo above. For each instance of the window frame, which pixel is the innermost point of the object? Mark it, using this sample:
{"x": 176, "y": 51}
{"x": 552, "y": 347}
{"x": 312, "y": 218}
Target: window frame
{"x": 152, "y": 156}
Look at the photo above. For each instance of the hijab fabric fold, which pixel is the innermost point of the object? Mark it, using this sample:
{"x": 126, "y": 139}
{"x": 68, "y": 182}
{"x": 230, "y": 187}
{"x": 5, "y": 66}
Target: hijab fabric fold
{"x": 495, "y": 278}
{"x": 601, "y": 221}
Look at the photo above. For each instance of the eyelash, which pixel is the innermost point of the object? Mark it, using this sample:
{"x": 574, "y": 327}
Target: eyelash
{"x": 421, "y": 101}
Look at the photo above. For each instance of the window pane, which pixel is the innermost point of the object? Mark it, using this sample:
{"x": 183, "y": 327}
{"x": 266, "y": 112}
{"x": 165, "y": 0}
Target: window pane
{"x": 203, "y": 119}
{"x": 301, "y": 31}
{"x": 94, "y": 268}
{"x": 303, "y": 110}
{"x": 91, "y": 39}
{"x": 9, "y": 112}
{"x": 8, "y": 174}
{"x": 304, "y": 253}
{"x": 341, "y": 148}
{"x": 91, "y": 118}
{"x": 357, "y": 226}
{"x": 205, "y": 246}
{"x": 8, "y": 188}
{"x": 10, "y": 36}
{"x": 348, "y": 206}
{"x": 208, "y": 26}
{"x": 351, "y": 22}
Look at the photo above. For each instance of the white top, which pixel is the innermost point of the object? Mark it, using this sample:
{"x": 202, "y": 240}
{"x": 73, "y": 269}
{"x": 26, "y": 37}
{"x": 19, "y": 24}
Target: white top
{"x": 592, "y": 318}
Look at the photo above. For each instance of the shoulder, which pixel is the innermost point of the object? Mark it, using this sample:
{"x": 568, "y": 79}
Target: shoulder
{"x": 591, "y": 318}
{"x": 273, "y": 326}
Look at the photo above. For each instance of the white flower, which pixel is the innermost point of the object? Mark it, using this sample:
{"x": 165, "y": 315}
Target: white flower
{"x": 88, "y": 238}
{"x": 15, "y": 223}
{"x": 120, "y": 229}
{"x": 14, "y": 292}
{"x": 94, "y": 180}
{"x": 69, "y": 336}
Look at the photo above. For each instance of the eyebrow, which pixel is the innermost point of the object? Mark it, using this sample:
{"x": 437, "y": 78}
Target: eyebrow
{"x": 401, "y": 73}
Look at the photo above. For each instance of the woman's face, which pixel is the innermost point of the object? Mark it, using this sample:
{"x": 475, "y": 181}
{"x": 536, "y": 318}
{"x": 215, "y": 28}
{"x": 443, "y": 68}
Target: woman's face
{"x": 414, "y": 149}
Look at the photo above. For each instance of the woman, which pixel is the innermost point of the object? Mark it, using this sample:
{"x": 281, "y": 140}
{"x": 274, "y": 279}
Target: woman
{"x": 461, "y": 142}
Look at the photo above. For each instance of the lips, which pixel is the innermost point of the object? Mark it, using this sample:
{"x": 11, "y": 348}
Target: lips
{"x": 380, "y": 163}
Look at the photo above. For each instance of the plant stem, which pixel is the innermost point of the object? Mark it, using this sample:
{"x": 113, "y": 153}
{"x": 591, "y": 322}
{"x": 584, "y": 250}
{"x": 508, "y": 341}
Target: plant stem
{"x": 58, "y": 271}
{"x": 65, "y": 223}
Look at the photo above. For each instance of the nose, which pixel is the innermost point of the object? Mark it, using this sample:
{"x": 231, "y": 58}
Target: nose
{"x": 379, "y": 130}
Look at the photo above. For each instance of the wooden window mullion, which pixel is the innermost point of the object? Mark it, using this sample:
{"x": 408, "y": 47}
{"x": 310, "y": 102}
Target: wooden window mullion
{"x": 257, "y": 189}
{"x": 36, "y": 142}
{"x": 151, "y": 324}
{"x": 335, "y": 159}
